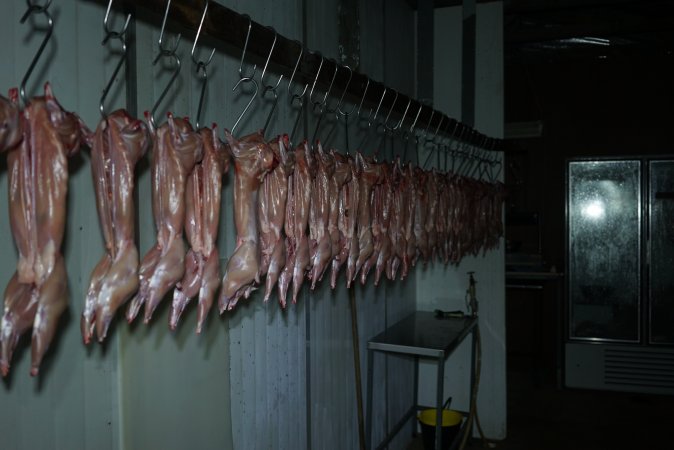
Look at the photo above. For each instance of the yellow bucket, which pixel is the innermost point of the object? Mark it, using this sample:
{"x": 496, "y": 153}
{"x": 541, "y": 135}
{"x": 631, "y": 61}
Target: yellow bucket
{"x": 451, "y": 424}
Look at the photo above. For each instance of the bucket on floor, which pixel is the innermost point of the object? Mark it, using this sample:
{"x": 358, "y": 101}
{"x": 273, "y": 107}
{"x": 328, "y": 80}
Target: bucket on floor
{"x": 451, "y": 424}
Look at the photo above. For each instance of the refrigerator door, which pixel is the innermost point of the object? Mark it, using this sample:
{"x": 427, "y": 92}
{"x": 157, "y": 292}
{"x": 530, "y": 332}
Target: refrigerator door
{"x": 661, "y": 263}
{"x": 604, "y": 226}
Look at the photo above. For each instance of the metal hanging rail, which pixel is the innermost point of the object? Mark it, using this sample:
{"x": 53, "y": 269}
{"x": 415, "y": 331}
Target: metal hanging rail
{"x": 227, "y": 30}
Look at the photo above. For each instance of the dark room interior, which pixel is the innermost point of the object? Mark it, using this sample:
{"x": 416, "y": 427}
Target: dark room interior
{"x": 589, "y": 81}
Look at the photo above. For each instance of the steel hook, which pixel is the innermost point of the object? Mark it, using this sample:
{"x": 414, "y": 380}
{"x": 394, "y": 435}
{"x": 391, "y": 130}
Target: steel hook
{"x": 270, "y": 87}
{"x": 243, "y": 53}
{"x": 346, "y": 88}
{"x": 414, "y": 124}
{"x": 371, "y": 119}
{"x": 119, "y": 35}
{"x": 201, "y": 66}
{"x": 295, "y": 96}
{"x": 171, "y": 53}
{"x": 341, "y": 99}
{"x": 35, "y": 9}
{"x": 402, "y": 119}
{"x": 245, "y": 79}
{"x": 337, "y": 111}
{"x": 320, "y": 106}
{"x": 385, "y": 122}
{"x": 376, "y": 113}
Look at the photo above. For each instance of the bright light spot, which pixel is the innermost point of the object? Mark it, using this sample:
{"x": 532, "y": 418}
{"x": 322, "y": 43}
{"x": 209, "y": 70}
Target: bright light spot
{"x": 594, "y": 210}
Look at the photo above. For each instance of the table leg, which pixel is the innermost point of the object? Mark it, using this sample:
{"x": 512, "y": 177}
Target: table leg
{"x": 438, "y": 403}
{"x": 416, "y": 393}
{"x": 368, "y": 422}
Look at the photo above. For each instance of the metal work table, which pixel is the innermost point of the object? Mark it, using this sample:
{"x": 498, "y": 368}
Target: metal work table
{"x": 421, "y": 335}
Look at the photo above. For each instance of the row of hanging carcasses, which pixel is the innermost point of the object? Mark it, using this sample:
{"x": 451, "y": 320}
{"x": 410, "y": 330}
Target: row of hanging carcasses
{"x": 299, "y": 213}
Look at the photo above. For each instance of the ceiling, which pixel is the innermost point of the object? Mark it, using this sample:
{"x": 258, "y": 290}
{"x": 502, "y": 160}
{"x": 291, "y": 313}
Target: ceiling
{"x": 591, "y": 28}
{"x": 584, "y": 28}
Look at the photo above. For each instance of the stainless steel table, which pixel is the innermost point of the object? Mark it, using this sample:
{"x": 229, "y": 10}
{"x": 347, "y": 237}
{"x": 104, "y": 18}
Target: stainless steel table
{"x": 421, "y": 335}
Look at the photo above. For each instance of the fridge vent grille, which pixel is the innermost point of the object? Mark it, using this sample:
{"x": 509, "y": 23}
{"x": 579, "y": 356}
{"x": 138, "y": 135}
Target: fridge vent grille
{"x": 636, "y": 367}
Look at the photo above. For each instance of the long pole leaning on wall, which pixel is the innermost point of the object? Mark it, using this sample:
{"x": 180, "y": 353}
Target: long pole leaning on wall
{"x": 226, "y": 30}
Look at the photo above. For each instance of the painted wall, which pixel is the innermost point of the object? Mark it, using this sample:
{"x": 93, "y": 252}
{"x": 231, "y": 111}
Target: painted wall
{"x": 444, "y": 288}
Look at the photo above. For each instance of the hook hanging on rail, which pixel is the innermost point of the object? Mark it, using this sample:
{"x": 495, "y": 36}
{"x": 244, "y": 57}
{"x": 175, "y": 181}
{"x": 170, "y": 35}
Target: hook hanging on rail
{"x": 270, "y": 87}
{"x": 341, "y": 98}
{"x": 295, "y": 96}
{"x": 370, "y": 120}
{"x": 120, "y": 36}
{"x": 384, "y": 124}
{"x": 320, "y": 106}
{"x": 416, "y": 118}
{"x": 299, "y": 96}
{"x": 201, "y": 66}
{"x": 337, "y": 111}
{"x": 247, "y": 78}
{"x": 34, "y": 8}
{"x": 169, "y": 52}
{"x": 417, "y": 137}
{"x": 432, "y": 140}
{"x": 402, "y": 119}
{"x": 409, "y": 133}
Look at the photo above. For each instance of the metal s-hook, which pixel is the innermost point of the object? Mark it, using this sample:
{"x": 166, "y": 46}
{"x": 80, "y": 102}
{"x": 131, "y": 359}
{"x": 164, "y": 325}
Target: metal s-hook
{"x": 432, "y": 140}
{"x": 270, "y": 87}
{"x": 362, "y": 99}
{"x": 168, "y": 52}
{"x": 112, "y": 33}
{"x": 247, "y": 78}
{"x": 320, "y": 106}
{"x": 243, "y": 53}
{"x": 345, "y": 114}
{"x": 402, "y": 119}
{"x": 376, "y": 113}
{"x": 295, "y": 96}
{"x": 201, "y": 66}
{"x": 341, "y": 99}
{"x": 416, "y": 118}
{"x": 430, "y": 120}
{"x": 299, "y": 96}
{"x": 371, "y": 119}
{"x": 385, "y": 121}
{"x": 337, "y": 111}
{"x": 120, "y": 36}
{"x": 35, "y": 9}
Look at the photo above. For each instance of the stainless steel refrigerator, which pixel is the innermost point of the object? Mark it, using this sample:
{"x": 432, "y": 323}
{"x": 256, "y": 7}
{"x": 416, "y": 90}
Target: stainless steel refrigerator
{"x": 620, "y": 266}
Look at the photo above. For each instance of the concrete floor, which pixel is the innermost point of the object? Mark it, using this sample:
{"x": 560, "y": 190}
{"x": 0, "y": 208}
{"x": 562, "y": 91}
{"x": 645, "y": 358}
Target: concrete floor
{"x": 544, "y": 418}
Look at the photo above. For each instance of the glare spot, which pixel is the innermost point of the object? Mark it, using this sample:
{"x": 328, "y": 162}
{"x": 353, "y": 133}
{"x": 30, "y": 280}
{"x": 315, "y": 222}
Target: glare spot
{"x": 594, "y": 210}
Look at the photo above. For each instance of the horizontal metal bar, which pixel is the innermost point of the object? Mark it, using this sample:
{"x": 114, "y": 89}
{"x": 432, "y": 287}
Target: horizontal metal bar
{"x": 227, "y": 29}
{"x": 531, "y": 287}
